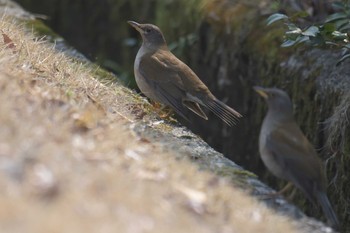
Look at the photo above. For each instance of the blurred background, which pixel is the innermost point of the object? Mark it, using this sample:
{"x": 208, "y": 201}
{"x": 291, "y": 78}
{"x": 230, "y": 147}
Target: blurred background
{"x": 230, "y": 47}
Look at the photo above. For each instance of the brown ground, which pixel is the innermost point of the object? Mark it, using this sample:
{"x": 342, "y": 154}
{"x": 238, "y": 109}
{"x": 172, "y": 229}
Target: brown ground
{"x": 70, "y": 162}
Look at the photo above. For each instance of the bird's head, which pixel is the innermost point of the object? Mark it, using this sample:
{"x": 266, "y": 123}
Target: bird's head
{"x": 151, "y": 35}
{"x": 277, "y": 100}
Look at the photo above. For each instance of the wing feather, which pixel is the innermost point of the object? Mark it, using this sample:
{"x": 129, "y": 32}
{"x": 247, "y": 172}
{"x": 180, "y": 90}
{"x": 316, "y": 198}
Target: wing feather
{"x": 165, "y": 77}
{"x": 294, "y": 153}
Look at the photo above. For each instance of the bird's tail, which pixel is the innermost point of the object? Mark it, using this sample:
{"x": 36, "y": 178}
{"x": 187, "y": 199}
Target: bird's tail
{"x": 327, "y": 209}
{"x": 224, "y": 112}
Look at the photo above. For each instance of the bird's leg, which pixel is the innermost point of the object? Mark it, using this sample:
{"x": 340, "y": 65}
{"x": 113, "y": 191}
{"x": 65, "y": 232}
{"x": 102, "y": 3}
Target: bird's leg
{"x": 156, "y": 104}
{"x": 278, "y": 193}
{"x": 292, "y": 194}
{"x": 163, "y": 111}
{"x": 285, "y": 188}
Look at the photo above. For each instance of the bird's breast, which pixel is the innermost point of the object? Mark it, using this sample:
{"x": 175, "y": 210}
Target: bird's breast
{"x": 272, "y": 161}
{"x": 141, "y": 80}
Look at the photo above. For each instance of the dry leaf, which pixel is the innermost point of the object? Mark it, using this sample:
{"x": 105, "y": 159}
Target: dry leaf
{"x": 8, "y": 42}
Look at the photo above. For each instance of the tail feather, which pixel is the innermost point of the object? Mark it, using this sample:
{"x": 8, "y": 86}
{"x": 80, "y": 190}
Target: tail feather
{"x": 224, "y": 112}
{"x": 327, "y": 209}
{"x": 194, "y": 107}
{"x": 222, "y": 115}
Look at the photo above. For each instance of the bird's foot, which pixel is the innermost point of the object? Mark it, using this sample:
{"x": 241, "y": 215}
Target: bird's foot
{"x": 279, "y": 193}
{"x": 166, "y": 113}
{"x": 156, "y": 105}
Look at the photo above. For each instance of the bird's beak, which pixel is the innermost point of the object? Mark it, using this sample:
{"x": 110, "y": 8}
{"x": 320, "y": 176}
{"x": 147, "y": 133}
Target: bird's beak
{"x": 135, "y": 25}
{"x": 261, "y": 91}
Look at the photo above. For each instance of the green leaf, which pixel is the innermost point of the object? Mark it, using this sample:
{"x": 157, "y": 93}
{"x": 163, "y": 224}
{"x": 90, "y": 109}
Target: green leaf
{"x": 344, "y": 27}
{"x": 331, "y": 43}
{"x": 299, "y": 14}
{"x": 341, "y": 23}
{"x": 302, "y": 14}
{"x": 293, "y": 35}
{"x": 288, "y": 43}
{"x": 342, "y": 59}
{"x": 297, "y": 31}
{"x": 311, "y": 31}
{"x": 347, "y": 46}
{"x": 329, "y": 27}
{"x": 292, "y": 26}
{"x": 302, "y": 39}
{"x": 317, "y": 40}
{"x": 336, "y": 16}
{"x": 339, "y": 36}
{"x": 275, "y": 17}
{"x": 338, "y": 6}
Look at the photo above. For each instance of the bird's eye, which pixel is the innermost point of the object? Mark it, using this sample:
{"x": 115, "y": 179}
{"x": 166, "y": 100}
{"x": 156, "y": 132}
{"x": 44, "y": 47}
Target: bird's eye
{"x": 147, "y": 30}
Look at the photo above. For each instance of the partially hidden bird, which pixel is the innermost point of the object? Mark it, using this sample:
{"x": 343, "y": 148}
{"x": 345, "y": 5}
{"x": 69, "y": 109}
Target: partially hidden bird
{"x": 288, "y": 154}
{"x": 162, "y": 77}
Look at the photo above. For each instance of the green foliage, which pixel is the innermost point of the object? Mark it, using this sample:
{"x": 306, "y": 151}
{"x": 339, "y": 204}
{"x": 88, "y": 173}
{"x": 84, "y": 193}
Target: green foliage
{"x": 334, "y": 31}
{"x": 275, "y": 17}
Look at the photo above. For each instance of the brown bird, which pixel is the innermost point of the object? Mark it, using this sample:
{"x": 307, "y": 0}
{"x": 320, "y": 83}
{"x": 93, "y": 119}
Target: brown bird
{"x": 287, "y": 153}
{"x": 164, "y": 78}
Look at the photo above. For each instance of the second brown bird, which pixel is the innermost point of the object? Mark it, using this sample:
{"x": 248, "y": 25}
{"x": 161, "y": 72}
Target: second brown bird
{"x": 288, "y": 154}
{"x": 162, "y": 77}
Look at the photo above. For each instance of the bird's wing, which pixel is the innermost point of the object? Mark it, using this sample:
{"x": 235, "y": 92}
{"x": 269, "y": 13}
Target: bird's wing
{"x": 188, "y": 80}
{"x": 165, "y": 82}
{"x": 293, "y": 152}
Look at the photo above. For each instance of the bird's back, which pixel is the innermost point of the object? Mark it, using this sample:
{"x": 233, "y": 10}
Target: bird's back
{"x": 284, "y": 143}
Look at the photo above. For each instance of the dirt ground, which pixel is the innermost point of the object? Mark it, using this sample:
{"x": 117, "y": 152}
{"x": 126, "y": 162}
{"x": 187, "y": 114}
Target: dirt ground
{"x": 70, "y": 161}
